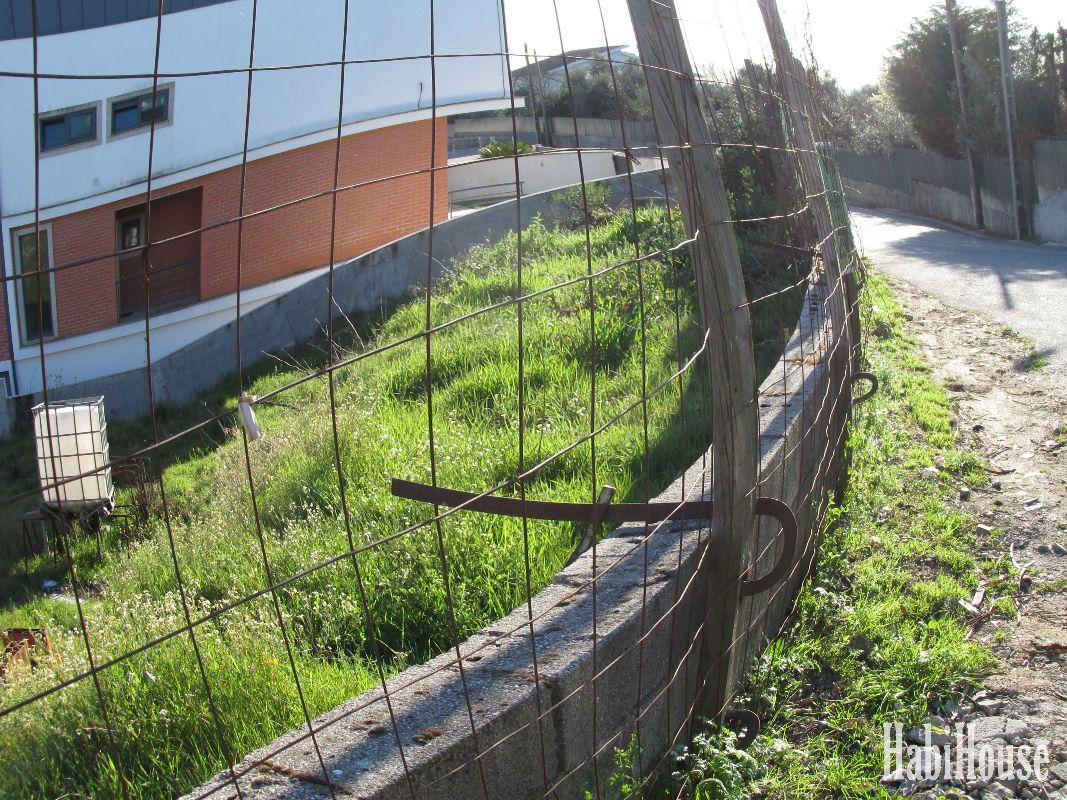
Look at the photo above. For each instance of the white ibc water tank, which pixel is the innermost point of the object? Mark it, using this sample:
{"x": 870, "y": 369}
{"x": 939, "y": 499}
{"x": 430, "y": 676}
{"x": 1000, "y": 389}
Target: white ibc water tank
{"x": 71, "y": 440}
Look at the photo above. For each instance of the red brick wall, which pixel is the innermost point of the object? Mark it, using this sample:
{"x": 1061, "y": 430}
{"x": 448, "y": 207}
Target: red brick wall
{"x": 275, "y": 244}
{"x": 296, "y": 237}
{"x": 85, "y": 293}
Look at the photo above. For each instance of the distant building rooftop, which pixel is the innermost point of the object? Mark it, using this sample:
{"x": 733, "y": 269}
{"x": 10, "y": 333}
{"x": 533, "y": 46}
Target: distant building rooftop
{"x": 552, "y": 64}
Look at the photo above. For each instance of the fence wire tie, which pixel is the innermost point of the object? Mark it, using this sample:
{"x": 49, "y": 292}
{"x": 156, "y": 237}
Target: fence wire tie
{"x": 596, "y": 519}
{"x": 865, "y": 376}
{"x": 770, "y": 507}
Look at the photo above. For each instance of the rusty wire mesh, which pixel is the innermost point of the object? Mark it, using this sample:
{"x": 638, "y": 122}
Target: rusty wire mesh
{"x": 541, "y": 699}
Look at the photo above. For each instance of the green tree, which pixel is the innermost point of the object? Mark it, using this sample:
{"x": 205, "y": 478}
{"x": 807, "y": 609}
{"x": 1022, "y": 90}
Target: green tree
{"x": 865, "y": 120}
{"x": 592, "y": 93}
{"x": 921, "y": 81}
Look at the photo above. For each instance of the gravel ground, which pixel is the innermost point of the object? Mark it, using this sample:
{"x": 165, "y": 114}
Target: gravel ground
{"x": 1017, "y": 421}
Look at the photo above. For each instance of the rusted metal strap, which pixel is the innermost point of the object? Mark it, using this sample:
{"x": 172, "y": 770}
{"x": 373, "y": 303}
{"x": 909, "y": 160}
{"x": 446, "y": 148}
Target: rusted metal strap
{"x": 584, "y": 513}
{"x": 769, "y": 507}
{"x": 594, "y": 514}
{"x": 865, "y": 376}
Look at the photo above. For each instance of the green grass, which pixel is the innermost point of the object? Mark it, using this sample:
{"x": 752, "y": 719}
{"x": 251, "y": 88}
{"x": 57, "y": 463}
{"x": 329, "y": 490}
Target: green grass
{"x": 1033, "y": 360}
{"x": 164, "y": 736}
{"x": 879, "y": 634}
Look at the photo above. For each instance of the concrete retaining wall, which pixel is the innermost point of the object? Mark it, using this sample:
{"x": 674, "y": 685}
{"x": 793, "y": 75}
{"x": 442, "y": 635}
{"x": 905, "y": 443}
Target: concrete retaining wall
{"x": 939, "y": 187}
{"x": 479, "y": 179}
{"x": 873, "y": 195}
{"x": 362, "y": 284}
{"x": 941, "y": 203}
{"x": 467, "y": 135}
{"x": 528, "y": 737}
{"x": 1050, "y": 214}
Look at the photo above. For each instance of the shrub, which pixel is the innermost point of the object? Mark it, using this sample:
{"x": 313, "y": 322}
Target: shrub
{"x": 590, "y": 207}
{"x": 497, "y": 149}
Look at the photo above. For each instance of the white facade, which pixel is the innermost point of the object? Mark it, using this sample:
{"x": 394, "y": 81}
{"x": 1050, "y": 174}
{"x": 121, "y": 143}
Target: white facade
{"x": 388, "y": 80}
{"x": 473, "y": 179}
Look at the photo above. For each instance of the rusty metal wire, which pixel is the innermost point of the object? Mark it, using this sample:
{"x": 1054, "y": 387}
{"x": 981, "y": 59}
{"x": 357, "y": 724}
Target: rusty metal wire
{"x": 800, "y": 459}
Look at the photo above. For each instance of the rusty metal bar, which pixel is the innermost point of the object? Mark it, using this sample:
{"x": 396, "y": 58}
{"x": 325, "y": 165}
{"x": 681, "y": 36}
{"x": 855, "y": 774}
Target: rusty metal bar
{"x": 583, "y": 513}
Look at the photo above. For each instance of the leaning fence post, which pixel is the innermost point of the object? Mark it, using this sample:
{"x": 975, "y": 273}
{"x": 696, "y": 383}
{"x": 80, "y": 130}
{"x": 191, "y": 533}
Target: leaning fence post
{"x": 798, "y": 103}
{"x": 720, "y": 287}
{"x": 846, "y": 246}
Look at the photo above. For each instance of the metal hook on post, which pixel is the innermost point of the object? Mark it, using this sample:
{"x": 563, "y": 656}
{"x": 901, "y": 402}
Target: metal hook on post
{"x": 865, "y": 376}
{"x": 768, "y": 506}
{"x": 749, "y": 722}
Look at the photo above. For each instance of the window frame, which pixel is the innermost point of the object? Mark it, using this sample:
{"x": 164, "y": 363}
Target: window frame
{"x": 113, "y": 135}
{"x": 65, "y": 114}
{"x": 50, "y": 276}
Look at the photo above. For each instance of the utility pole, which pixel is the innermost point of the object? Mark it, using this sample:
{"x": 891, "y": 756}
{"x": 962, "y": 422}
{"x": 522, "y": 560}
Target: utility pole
{"x": 965, "y": 125}
{"x": 1022, "y": 227}
{"x": 533, "y": 95}
{"x": 546, "y": 123}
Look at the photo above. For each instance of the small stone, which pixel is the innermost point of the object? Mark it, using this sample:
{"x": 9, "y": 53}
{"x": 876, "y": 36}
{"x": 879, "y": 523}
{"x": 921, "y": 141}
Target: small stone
{"x": 1059, "y": 550}
{"x": 1044, "y": 549}
{"x": 336, "y": 773}
{"x": 1015, "y": 729}
{"x": 985, "y": 728}
{"x": 976, "y": 784}
{"x": 965, "y": 493}
{"x": 984, "y": 530}
{"x": 997, "y": 486}
{"x": 931, "y": 472}
{"x": 939, "y": 735}
{"x": 989, "y": 707}
{"x": 997, "y": 791}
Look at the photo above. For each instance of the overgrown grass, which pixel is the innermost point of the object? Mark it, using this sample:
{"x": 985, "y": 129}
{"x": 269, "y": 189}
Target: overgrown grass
{"x": 879, "y": 635}
{"x": 165, "y": 735}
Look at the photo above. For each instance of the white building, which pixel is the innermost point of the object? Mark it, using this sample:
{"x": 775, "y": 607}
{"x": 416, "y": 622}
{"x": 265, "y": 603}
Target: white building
{"x": 95, "y": 62}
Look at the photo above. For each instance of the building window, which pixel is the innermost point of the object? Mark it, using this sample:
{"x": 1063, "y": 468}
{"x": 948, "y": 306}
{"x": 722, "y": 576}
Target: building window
{"x": 134, "y": 112}
{"x": 172, "y": 265}
{"x": 36, "y": 292}
{"x": 66, "y": 129}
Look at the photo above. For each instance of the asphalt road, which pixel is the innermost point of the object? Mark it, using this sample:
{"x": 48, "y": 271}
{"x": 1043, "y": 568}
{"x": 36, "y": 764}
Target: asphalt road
{"x": 1018, "y": 284}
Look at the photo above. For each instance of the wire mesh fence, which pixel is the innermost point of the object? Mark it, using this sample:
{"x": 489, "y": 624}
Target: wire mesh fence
{"x": 375, "y": 563}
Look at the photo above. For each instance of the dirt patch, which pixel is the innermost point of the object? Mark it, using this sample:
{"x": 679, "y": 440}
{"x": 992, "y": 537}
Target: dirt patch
{"x": 1016, "y": 419}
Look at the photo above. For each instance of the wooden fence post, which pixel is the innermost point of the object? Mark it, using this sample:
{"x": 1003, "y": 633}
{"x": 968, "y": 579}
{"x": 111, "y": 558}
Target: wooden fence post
{"x": 843, "y": 304}
{"x": 694, "y": 170}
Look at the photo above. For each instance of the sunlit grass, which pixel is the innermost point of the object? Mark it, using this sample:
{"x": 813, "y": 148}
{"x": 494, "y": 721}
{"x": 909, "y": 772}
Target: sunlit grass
{"x": 164, "y": 735}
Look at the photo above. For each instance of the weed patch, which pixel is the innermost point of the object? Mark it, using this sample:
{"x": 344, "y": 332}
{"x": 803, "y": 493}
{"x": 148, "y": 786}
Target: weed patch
{"x": 164, "y": 734}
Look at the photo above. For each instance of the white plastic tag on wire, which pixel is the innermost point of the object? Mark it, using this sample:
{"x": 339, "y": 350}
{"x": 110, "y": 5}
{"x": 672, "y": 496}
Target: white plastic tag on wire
{"x": 248, "y": 417}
